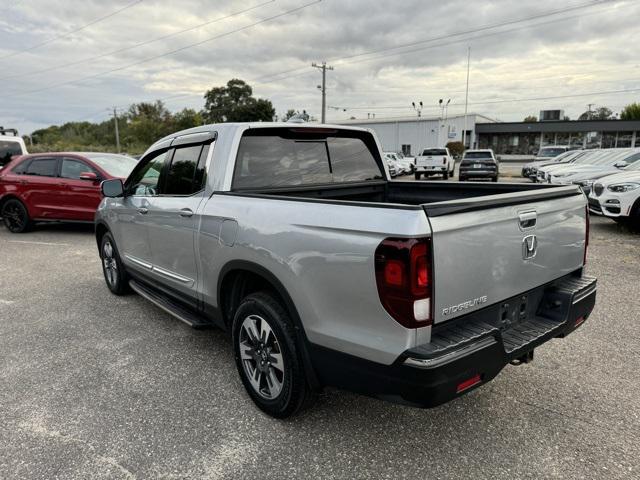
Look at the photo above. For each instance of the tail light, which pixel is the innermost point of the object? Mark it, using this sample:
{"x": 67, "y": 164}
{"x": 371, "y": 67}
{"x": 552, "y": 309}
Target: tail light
{"x": 586, "y": 237}
{"x": 444, "y": 160}
{"x": 404, "y": 276}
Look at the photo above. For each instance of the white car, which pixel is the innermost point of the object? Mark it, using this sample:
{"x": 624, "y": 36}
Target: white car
{"x": 407, "y": 162}
{"x": 618, "y": 196}
{"x": 434, "y": 161}
{"x": 10, "y": 146}
{"x": 588, "y": 158}
{"x": 606, "y": 165}
{"x": 530, "y": 170}
{"x": 552, "y": 151}
{"x": 402, "y": 166}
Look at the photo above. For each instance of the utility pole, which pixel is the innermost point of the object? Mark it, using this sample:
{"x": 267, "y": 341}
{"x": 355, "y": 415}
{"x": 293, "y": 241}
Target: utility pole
{"x": 324, "y": 67}
{"x": 466, "y": 102}
{"x": 589, "y": 117}
{"x": 115, "y": 119}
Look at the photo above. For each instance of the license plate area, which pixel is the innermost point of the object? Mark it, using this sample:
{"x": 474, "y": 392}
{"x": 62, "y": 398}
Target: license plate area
{"x": 477, "y": 165}
{"x": 514, "y": 311}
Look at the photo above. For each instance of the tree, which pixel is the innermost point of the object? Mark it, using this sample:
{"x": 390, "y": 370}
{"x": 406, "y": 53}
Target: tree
{"x": 288, "y": 114}
{"x": 530, "y": 119}
{"x": 456, "y": 149}
{"x": 631, "y": 112}
{"x": 147, "y": 122}
{"x": 235, "y": 103}
{"x": 296, "y": 113}
{"x": 600, "y": 113}
{"x": 187, "y": 118}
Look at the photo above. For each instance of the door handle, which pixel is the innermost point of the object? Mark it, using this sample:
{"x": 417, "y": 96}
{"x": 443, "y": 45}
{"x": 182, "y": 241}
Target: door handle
{"x": 528, "y": 220}
{"x": 143, "y": 210}
{"x": 186, "y": 212}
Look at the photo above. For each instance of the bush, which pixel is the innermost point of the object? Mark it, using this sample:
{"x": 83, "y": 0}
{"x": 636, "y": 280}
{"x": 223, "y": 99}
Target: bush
{"x": 456, "y": 149}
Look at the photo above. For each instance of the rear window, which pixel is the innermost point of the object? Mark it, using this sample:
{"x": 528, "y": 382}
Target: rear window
{"x": 295, "y": 157}
{"x": 551, "y": 152}
{"x": 476, "y": 155}
{"x": 434, "y": 151}
{"x": 7, "y": 150}
{"x": 42, "y": 167}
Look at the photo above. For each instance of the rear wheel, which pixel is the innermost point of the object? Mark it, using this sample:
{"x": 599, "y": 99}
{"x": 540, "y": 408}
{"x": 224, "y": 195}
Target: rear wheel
{"x": 268, "y": 357}
{"x": 494, "y": 179}
{"x": 112, "y": 267}
{"x": 445, "y": 176}
{"x": 15, "y": 216}
{"x": 417, "y": 176}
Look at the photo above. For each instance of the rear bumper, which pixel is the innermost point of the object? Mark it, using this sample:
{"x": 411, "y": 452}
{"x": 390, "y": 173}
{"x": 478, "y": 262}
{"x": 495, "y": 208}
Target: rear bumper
{"x": 478, "y": 173}
{"x": 431, "y": 169}
{"x": 466, "y": 352}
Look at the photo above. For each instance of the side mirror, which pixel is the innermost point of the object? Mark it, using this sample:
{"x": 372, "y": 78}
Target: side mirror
{"x": 92, "y": 177}
{"x": 112, "y": 188}
{"x": 621, "y": 164}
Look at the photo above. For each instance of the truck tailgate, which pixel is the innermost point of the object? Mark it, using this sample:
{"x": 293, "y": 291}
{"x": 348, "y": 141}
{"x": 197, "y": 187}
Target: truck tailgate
{"x": 499, "y": 246}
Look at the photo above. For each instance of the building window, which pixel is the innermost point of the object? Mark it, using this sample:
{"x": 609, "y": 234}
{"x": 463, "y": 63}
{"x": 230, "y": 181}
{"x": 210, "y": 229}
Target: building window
{"x": 562, "y": 139}
{"x": 594, "y": 139}
{"x": 608, "y": 140}
{"x": 406, "y": 150}
{"x": 624, "y": 139}
{"x": 637, "y": 140}
{"x": 548, "y": 139}
{"x": 577, "y": 140}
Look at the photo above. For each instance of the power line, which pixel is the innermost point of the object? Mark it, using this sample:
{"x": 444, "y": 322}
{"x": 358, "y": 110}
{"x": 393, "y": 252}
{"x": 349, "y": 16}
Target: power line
{"x": 75, "y": 30}
{"x": 491, "y": 102}
{"x": 137, "y": 45}
{"x": 166, "y": 54}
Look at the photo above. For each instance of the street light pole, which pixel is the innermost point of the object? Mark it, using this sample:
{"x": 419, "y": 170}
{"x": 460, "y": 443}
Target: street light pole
{"x": 115, "y": 119}
{"x": 466, "y": 102}
{"x": 324, "y": 67}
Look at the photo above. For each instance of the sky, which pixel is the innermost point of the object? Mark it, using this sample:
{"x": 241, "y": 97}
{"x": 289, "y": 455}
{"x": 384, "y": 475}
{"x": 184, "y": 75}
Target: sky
{"x": 75, "y": 60}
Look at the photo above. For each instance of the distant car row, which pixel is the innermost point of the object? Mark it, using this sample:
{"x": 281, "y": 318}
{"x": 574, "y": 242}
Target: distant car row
{"x": 475, "y": 164}
{"x": 609, "y": 177}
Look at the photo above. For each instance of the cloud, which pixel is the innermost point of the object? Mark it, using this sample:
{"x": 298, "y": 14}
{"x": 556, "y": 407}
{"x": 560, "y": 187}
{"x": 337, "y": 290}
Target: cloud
{"x": 584, "y": 50}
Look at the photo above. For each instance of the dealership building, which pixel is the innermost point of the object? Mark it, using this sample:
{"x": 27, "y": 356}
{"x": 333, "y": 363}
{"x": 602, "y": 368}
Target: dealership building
{"x": 412, "y": 135}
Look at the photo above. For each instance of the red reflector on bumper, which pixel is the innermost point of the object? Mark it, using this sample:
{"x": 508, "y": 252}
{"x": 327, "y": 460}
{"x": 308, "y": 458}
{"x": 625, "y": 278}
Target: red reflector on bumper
{"x": 476, "y": 379}
{"x": 579, "y": 321}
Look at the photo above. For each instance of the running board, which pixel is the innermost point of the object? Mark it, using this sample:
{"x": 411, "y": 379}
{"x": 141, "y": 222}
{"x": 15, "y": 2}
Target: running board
{"x": 193, "y": 319}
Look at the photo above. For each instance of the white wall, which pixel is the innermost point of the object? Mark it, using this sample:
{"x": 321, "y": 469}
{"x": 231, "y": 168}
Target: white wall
{"x": 420, "y": 134}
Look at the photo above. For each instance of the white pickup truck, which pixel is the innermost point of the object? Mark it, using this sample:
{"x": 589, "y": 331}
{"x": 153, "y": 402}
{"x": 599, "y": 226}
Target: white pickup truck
{"x": 326, "y": 273}
{"x": 434, "y": 161}
{"x": 10, "y": 146}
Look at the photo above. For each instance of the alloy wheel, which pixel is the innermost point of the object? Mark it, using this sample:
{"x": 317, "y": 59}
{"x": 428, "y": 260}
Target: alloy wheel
{"x": 109, "y": 263}
{"x": 261, "y": 357}
{"x": 13, "y": 216}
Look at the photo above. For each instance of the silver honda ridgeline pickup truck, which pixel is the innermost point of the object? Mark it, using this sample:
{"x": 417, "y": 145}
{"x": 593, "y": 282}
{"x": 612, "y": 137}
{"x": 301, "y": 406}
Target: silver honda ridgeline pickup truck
{"x": 293, "y": 238}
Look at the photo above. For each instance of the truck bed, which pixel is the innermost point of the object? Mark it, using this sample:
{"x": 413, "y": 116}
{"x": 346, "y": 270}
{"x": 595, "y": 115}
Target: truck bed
{"x": 437, "y": 198}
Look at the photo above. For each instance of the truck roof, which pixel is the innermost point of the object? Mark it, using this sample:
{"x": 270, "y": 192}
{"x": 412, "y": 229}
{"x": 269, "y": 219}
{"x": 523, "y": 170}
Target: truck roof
{"x": 234, "y": 126}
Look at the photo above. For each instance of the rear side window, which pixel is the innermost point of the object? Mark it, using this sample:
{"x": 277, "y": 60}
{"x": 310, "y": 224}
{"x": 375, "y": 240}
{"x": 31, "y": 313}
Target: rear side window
{"x": 179, "y": 180}
{"x": 42, "y": 167}
{"x": 296, "y": 157}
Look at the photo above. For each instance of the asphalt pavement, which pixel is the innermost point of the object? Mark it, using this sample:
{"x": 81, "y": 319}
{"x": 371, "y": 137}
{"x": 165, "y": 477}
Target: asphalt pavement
{"x": 98, "y": 386}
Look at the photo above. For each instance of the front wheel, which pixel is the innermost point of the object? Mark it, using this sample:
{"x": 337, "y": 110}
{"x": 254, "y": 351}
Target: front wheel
{"x": 112, "y": 267}
{"x": 15, "y": 216}
{"x": 268, "y": 358}
{"x": 445, "y": 176}
{"x": 494, "y": 179}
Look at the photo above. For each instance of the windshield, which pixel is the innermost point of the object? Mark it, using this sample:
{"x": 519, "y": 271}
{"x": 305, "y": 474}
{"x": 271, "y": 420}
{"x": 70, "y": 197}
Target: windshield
{"x": 551, "y": 152}
{"x": 434, "y": 151}
{"x": 474, "y": 155}
{"x": 114, "y": 165}
{"x": 279, "y": 157}
{"x": 7, "y": 150}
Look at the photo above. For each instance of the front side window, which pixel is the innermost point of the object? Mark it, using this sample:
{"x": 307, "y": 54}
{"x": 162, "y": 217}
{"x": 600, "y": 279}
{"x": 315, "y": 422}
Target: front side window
{"x": 144, "y": 182}
{"x": 182, "y": 170}
{"x": 42, "y": 167}
{"x": 72, "y": 168}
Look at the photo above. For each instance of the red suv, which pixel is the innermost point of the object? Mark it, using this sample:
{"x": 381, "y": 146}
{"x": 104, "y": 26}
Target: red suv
{"x": 56, "y": 186}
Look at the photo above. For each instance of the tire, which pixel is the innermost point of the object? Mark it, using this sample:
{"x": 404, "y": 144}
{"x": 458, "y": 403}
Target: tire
{"x": 445, "y": 176}
{"x": 112, "y": 268}
{"x": 268, "y": 357}
{"x": 16, "y": 216}
{"x": 494, "y": 179}
{"x": 462, "y": 179}
{"x": 417, "y": 176}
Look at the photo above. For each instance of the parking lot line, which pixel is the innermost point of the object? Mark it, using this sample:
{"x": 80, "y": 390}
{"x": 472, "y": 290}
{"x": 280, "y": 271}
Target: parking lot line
{"x": 30, "y": 242}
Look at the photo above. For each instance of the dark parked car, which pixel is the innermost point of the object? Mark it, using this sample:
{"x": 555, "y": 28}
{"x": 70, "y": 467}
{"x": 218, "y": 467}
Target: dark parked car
{"x": 56, "y": 186}
{"x": 479, "y": 164}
